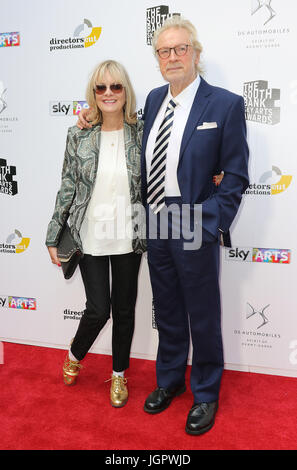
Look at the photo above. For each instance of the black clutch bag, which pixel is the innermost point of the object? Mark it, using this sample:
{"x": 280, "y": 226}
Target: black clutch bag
{"x": 68, "y": 252}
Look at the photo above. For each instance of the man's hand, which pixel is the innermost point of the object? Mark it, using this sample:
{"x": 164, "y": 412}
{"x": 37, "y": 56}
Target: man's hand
{"x": 54, "y": 255}
{"x": 82, "y": 122}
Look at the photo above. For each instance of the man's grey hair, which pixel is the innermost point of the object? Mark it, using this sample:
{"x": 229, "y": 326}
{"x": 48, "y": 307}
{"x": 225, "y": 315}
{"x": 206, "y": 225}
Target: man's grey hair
{"x": 176, "y": 21}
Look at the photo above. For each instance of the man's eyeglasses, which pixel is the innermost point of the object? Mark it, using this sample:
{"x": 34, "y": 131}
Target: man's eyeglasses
{"x": 115, "y": 88}
{"x": 180, "y": 50}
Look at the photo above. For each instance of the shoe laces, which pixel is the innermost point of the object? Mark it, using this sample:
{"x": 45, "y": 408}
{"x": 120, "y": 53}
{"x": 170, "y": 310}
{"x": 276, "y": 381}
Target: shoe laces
{"x": 118, "y": 382}
{"x": 70, "y": 363}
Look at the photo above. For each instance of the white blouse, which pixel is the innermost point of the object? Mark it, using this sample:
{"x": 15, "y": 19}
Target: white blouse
{"x": 107, "y": 226}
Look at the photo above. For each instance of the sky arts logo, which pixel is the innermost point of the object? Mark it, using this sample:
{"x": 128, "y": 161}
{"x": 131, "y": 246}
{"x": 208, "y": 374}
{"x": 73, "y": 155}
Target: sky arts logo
{"x": 84, "y": 35}
{"x": 23, "y": 303}
{"x": 15, "y": 243}
{"x": 155, "y": 18}
{"x": 67, "y": 108}
{"x": 270, "y": 183}
{"x": 258, "y": 255}
{"x": 259, "y": 101}
{"x": 9, "y": 39}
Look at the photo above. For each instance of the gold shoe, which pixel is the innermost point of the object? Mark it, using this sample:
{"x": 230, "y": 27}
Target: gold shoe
{"x": 118, "y": 391}
{"x": 70, "y": 370}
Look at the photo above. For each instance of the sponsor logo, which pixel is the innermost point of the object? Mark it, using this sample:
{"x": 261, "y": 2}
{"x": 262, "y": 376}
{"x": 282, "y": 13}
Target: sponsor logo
{"x": 256, "y": 335}
{"x": 260, "y": 103}
{"x": 270, "y": 183}
{"x": 259, "y": 5}
{"x": 23, "y": 303}
{"x": 5, "y": 121}
{"x": 7, "y": 184}
{"x": 3, "y": 104}
{"x": 9, "y": 39}
{"x": 258, "y": 255}
{"x": 78, "y": 106}
{"x": 252, "y": 311}
{"x": 84, "y": 35}
{"x": 155, "y": 18}
{"x": 293, "y": 354}
{"x": 67, "y": 108}
{"x": 72, "y": 314}
{"x": 140, "y": 113}
{"x": 266, "y": 31}
{"x": 154, "y": 324}
{"x": 15, "y": 243}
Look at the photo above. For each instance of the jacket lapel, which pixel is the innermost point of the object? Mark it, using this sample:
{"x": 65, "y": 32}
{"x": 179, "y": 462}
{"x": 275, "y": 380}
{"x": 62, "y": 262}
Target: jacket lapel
{"x": 152, "y": 107}
{"x": 152, "y": 111}
{"x": 129, "y": 143}
{"x": 200, "y": 103}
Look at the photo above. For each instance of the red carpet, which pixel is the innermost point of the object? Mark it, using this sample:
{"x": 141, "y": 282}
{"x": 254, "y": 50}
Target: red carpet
{"x": 38, "y": 412}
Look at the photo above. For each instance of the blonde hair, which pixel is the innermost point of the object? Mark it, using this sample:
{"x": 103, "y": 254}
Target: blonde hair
{"x": 176, "y": 21}
{"x": 118, "y": 72}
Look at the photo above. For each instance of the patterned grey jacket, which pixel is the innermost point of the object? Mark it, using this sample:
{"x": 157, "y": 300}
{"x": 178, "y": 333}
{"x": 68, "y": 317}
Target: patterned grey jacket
{"x": 78, "y": 179}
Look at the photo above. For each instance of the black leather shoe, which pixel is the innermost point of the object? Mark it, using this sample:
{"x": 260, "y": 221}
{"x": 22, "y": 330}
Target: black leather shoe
{"x": 161, "y": 398}
{"x": 201, "y": 418}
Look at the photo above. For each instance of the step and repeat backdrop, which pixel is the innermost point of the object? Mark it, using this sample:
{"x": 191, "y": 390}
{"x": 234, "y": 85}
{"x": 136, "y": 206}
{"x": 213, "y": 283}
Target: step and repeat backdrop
{"x": 48, "y": 50}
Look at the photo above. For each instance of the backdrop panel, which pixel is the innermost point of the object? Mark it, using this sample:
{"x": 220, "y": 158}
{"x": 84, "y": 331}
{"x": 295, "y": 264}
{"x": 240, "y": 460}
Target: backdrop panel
{"x": 47, "y": 51}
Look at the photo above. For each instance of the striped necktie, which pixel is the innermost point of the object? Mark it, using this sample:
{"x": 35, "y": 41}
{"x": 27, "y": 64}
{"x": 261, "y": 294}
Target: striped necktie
{"x": 156, "y": 181}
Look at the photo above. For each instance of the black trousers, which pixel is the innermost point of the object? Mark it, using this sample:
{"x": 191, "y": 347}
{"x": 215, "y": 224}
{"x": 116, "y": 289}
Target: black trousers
{"x": 101, "y": 298}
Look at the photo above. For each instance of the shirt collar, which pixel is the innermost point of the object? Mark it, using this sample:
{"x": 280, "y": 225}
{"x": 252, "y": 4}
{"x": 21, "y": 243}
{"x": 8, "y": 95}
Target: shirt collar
{"x": 186, "y": 97}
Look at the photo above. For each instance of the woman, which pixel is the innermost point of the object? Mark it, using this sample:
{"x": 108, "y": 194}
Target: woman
{"x": 100, "y": 184}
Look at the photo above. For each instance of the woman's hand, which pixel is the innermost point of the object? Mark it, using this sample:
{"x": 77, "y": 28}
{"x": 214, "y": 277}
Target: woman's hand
{"x": 218, "y": 178}
{"x": 82, "y": 122}
{"x": 54, "y": 255}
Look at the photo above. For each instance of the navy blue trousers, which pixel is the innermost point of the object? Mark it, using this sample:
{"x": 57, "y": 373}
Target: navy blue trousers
{"x": 186, "y": 294}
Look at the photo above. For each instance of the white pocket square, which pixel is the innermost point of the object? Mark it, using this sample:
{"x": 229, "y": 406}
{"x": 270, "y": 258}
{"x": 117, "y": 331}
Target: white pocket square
{"x": 207, "y": 125}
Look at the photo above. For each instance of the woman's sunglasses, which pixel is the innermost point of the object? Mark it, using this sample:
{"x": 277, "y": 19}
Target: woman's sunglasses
{"x": 115, "y": 88}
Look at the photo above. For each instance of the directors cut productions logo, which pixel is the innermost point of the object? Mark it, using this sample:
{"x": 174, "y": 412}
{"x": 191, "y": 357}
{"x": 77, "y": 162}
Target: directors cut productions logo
{"x": 9, "y": 39}
{"x": 84, "y": 35}
{"x": 23, "y": 303}
{"x": 155, "y": 18}
{"x": 7, "y": 184}
{"x": 15, "y": 243}
{"x": 270, "y": 183}
{"x": 72, "y": 314}
{"x": 67, "y": 108}
{"x": 258, "y": 255}
{"x": 260, "y": 103}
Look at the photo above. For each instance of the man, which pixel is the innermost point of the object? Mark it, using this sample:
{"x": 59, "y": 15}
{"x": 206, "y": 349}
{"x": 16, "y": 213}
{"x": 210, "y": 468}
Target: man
{"x": 207, "y": 134}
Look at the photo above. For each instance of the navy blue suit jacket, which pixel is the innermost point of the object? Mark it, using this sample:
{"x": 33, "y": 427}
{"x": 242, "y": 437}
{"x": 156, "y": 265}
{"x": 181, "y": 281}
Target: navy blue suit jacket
{"x": 206, "y": 152}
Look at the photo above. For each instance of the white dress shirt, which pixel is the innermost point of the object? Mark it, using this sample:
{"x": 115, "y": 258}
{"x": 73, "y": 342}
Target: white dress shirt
{"x": 107, "y": 225}
{"x": 181, "y": 113}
